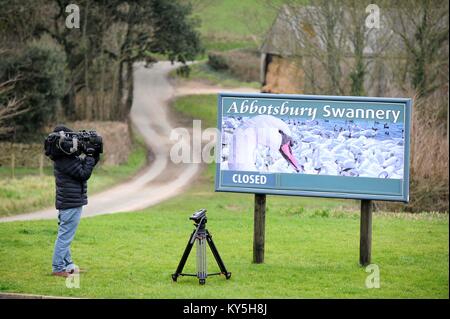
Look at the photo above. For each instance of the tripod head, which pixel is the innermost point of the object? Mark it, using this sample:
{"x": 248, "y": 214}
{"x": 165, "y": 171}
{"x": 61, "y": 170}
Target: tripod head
{"x": 199, "y": 217}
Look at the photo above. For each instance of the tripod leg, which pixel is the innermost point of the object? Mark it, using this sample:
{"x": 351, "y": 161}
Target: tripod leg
{"x": 201, "y": 260}
{"x": 215, "y": 252}
{"x": 184, "y": 258}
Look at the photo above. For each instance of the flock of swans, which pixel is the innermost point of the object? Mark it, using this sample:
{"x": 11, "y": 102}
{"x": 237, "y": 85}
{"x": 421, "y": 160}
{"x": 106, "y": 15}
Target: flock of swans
{"x": 268, "y": 144}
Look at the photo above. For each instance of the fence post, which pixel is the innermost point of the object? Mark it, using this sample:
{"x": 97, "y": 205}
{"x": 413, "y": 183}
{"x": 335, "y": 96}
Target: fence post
{"x": 41, "y": 165}
{"x": 13, "y": 165}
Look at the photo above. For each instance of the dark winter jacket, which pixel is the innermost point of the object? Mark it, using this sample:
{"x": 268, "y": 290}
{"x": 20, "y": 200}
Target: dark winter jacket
{"x": 71, "y": 175}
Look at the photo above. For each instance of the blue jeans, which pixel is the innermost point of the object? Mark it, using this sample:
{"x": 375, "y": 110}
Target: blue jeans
{"x": 68, "y": 223}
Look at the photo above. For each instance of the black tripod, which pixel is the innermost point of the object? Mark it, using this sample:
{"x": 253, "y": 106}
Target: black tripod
{"x": 201, "y": 235}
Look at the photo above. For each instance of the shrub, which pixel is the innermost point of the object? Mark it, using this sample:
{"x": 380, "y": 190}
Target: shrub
{"x": 242, "y": 63}
{"x": 429, "y": 155}
{"x": 217, "y": 61}
{"x": 429, "y": 189}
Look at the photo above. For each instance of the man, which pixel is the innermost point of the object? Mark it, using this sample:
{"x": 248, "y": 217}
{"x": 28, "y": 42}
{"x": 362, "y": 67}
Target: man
{"x": 71, "y": 175}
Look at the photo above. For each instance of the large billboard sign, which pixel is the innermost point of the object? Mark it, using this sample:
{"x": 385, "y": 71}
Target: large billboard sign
{"x": 326, "y": 146}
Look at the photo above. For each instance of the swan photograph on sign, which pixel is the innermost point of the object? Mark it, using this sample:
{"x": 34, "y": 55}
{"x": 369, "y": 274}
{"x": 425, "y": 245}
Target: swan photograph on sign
{"x": 330, "y": 146}
{"x": 265, "y": 143}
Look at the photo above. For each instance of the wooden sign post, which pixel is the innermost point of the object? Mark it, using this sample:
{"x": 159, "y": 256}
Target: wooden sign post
{"x": 259, "y": 228}
{"x": 365, "y": 240}
{"x": 260, "y": 147}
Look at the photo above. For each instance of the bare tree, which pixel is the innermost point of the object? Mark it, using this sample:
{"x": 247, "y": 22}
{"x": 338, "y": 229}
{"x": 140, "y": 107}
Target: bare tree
{"x": 365, "y": 46}
{"x": 336, "y": 46}
{"x": 357, "y": 34}
{"x": 321, "y": 40}
{"x": 9, "y": 106}
{"x": 423, "y": 29}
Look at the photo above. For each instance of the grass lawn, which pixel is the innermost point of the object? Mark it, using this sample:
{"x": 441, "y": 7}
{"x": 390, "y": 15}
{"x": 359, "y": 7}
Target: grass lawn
{"x": 201, "y": 71}
{"x": 202, "y": 107}
{"x": 235, "y": 24}
{"x": 29, "y": 191}
{"x": 311, "y": 251}
{"x": 312, "y": 248}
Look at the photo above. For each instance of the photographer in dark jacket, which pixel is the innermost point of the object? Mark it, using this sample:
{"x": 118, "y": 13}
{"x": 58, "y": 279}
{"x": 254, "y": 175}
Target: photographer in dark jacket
{"x": 71, "y": 175}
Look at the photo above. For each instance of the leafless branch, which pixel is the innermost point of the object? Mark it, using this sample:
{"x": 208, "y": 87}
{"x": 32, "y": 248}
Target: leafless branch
{"x": 11, "y": 106}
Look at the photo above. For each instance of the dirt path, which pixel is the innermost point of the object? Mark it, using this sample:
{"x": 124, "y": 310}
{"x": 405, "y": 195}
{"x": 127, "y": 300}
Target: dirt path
{"x": 162, "y": 179}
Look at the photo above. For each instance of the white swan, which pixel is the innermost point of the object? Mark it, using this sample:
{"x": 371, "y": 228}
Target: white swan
{"x": 261, "y": 130}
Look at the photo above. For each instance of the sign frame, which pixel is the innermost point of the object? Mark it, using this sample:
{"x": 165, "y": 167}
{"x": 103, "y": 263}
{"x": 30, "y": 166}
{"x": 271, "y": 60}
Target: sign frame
{"x": 404, "y": 197}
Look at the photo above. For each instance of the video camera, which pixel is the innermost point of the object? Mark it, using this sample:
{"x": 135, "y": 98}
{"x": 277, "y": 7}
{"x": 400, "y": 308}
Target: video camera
{"x": 59, "y": 144}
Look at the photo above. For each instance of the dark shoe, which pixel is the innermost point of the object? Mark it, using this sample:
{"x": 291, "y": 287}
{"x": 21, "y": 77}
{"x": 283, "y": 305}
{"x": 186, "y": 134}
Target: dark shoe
{"x": 77, "y": 271}
{"x": 60, "y": 274}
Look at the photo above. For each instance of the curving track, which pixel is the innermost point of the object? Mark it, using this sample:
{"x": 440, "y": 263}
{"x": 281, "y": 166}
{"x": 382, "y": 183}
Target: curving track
{"x": 160, "y": 180}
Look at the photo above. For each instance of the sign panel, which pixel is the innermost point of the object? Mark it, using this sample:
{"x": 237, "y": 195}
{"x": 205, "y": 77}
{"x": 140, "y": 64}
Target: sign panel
{"x": 327, "y": 146}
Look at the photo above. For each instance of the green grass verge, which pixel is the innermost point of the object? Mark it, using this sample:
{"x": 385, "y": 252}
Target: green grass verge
{"x": 201, "y": 71}
{"x": 201, "y": 107}
{"x": 29, "y": 191}
{"x": 311, "y": 251}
